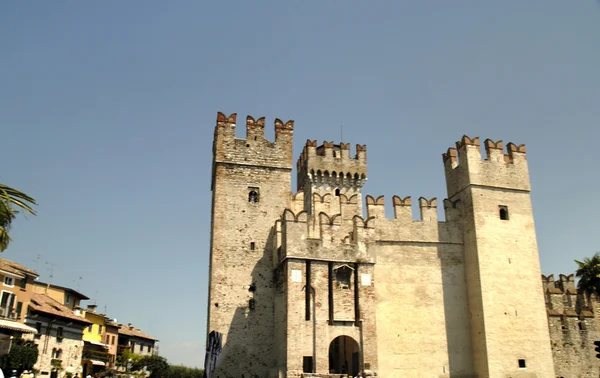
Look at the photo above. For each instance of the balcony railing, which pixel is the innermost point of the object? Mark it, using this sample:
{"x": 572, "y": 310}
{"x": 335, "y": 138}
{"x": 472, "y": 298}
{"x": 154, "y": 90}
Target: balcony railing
{"x": 8, "y": 313}
{"x": 96, "y": 355}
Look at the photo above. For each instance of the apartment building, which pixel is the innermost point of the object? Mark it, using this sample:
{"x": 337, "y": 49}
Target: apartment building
{"x": 67, "y": 296}
{"x": 136, "y": 341}
{"x": 15, "y": 296}
{"x": 59, "y": 334}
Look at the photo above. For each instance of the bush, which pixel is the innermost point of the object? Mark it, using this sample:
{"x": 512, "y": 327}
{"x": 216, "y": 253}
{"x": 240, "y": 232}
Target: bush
{"x": 22, "y": 356}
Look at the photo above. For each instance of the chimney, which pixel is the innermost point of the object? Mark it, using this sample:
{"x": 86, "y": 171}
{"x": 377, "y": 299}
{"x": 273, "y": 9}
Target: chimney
{"x": 92, "y": 308}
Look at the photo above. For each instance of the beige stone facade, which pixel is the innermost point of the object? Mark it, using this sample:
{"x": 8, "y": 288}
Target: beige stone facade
{"x": 321, "y": 282}
{"x": 59, "y": 337}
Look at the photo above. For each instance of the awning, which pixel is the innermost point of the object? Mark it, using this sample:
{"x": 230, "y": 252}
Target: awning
{"x": 15, "y": 326}
{"x": 96, "y": 362}
{"x": 97, "y": 343}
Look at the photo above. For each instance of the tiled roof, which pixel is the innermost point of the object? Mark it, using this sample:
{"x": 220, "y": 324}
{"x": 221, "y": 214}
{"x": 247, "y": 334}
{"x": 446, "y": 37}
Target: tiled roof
{"x": 13, "y": 267}
{"x": 128, "y": 330}
{"x": 47, "y": 305}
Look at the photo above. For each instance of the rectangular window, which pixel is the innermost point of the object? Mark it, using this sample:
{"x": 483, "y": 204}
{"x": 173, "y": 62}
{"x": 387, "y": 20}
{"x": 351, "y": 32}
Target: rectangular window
{"x": 67, "y": 299}
{"x": 6, "y": 304}
{"x": 19, "y": 309}
{"x": 99, "y": 330}
{"x": 503, "y": 212}
{"x": 252, "y": 246}
{"x": 59, "y": 333}
{"x": 23, "y": 284}
{"x": 90, "y": 328}
{"x": 9, "y": 281}
{"x": 307, "y": 364}
{"x": 522, "y": 364}
{"x": 113, "y": 340}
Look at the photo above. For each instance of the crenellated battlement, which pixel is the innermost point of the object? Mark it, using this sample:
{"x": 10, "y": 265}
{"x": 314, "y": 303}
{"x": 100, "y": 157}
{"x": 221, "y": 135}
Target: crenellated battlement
{"x": 329, "y": 230}
{"x": 254, "y": 149}
{"x": 332, "y": 164}
{"x": 464, "y": 165}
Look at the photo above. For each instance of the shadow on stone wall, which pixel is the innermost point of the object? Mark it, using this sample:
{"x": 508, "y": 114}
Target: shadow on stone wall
{"x": 249, "y": 350}
{"x": 456, "y": 313}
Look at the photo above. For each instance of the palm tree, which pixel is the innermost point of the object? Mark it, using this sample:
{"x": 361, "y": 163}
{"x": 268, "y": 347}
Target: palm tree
{"x": 9, "y": 199}
{"x": 588, "y": 273}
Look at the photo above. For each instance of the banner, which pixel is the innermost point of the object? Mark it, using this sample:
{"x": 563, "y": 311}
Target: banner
{"x": 213, "y": 349}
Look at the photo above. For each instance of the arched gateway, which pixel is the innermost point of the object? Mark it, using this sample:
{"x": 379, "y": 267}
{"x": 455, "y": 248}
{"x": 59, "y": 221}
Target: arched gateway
{"x": 343, "y": 356}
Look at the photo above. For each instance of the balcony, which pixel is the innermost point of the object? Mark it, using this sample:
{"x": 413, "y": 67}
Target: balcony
{"x": 122, "y": 348}
{"x": 96, "y": 355}
{"x": 8, "y": 313}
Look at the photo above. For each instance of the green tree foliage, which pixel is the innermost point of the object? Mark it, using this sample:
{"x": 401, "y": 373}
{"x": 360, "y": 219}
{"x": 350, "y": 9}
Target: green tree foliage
{"x": 22, "y": 356}
{"x": 156, "y": 365}
{"x": 124, "y": 357}
{"x": 184, "y": 372}
{"x": 11, "y": 200}
{"x": 588, "y": 272}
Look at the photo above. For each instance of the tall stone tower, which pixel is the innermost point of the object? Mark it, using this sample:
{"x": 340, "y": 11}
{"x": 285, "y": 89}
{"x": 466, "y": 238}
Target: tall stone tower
{"x": 251, "y": 182}
{"x": 509, "y": 327}
{"x": 325, "y": 308}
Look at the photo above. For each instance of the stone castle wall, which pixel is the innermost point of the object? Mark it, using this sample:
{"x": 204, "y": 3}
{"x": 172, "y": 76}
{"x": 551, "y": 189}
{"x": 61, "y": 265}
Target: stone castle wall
{"x": 459, "y": 298}
{"x": 573, "y": 328}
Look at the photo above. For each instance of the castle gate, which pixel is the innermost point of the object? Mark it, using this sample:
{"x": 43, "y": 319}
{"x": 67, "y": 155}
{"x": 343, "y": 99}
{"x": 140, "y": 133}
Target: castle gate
{"x": 343, "y": 356}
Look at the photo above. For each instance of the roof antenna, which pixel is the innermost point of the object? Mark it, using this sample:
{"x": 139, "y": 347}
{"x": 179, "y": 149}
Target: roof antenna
{"x": 78, "y": 283}
{"x": 51, "y": 270}
{"x": 36, "y": 261}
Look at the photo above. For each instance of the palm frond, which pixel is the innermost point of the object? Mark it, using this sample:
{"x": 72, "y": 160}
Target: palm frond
{"x": 18, "y": 198}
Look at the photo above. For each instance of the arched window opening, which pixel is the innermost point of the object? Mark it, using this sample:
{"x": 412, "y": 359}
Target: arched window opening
{"x": 253, "y": 196}
{"x": 337, "y": 192}
{"x": 343, "y": 276}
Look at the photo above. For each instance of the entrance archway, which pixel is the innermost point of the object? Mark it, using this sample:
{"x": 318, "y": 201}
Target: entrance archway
{"x": 343, "y": 356}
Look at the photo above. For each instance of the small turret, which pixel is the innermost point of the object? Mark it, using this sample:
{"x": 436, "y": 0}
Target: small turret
{"x": 331, "y": 164}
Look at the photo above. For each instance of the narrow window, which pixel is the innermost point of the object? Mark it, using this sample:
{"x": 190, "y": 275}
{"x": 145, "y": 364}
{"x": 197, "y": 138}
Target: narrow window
{"x": 252, "y": 246}
{"x": 522, "y": 364}
{"x": 99, "y": 330}
{"x": 307, "y": 293}
{"x": 67, "y": 299}
{"x": 24, "y": 283}
{"x": 113, "y": 340}
{"x": 19, "y": 309}
{"x": 90, "y": 328}
{"x": 330, "y": 291}
{"x": 581, "y": 327}
{"x": 252, "y": 304}
{"x": 307, "y": 364}
{"x": 337, "y": 192}
{"x": 503, "y": 212}
{"x": 59, "y": 333}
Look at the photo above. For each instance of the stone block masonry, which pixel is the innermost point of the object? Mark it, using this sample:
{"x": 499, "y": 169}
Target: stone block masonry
{"x": 307, "y": 284}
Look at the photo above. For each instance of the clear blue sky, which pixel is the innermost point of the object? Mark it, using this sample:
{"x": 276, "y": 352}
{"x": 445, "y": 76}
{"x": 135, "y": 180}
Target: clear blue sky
{"x": 107, "y": 112}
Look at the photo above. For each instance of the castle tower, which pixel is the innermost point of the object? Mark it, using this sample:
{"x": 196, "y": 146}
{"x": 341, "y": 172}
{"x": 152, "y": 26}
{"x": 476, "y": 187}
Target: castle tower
{"x": 509, "y": 327}
{"x": 251, "y": 182}
{"x": 331, "y": 179}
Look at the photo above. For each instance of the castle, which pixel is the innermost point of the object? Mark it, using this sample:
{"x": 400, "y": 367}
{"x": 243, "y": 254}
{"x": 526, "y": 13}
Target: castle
{"x": 306, "y": 284}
